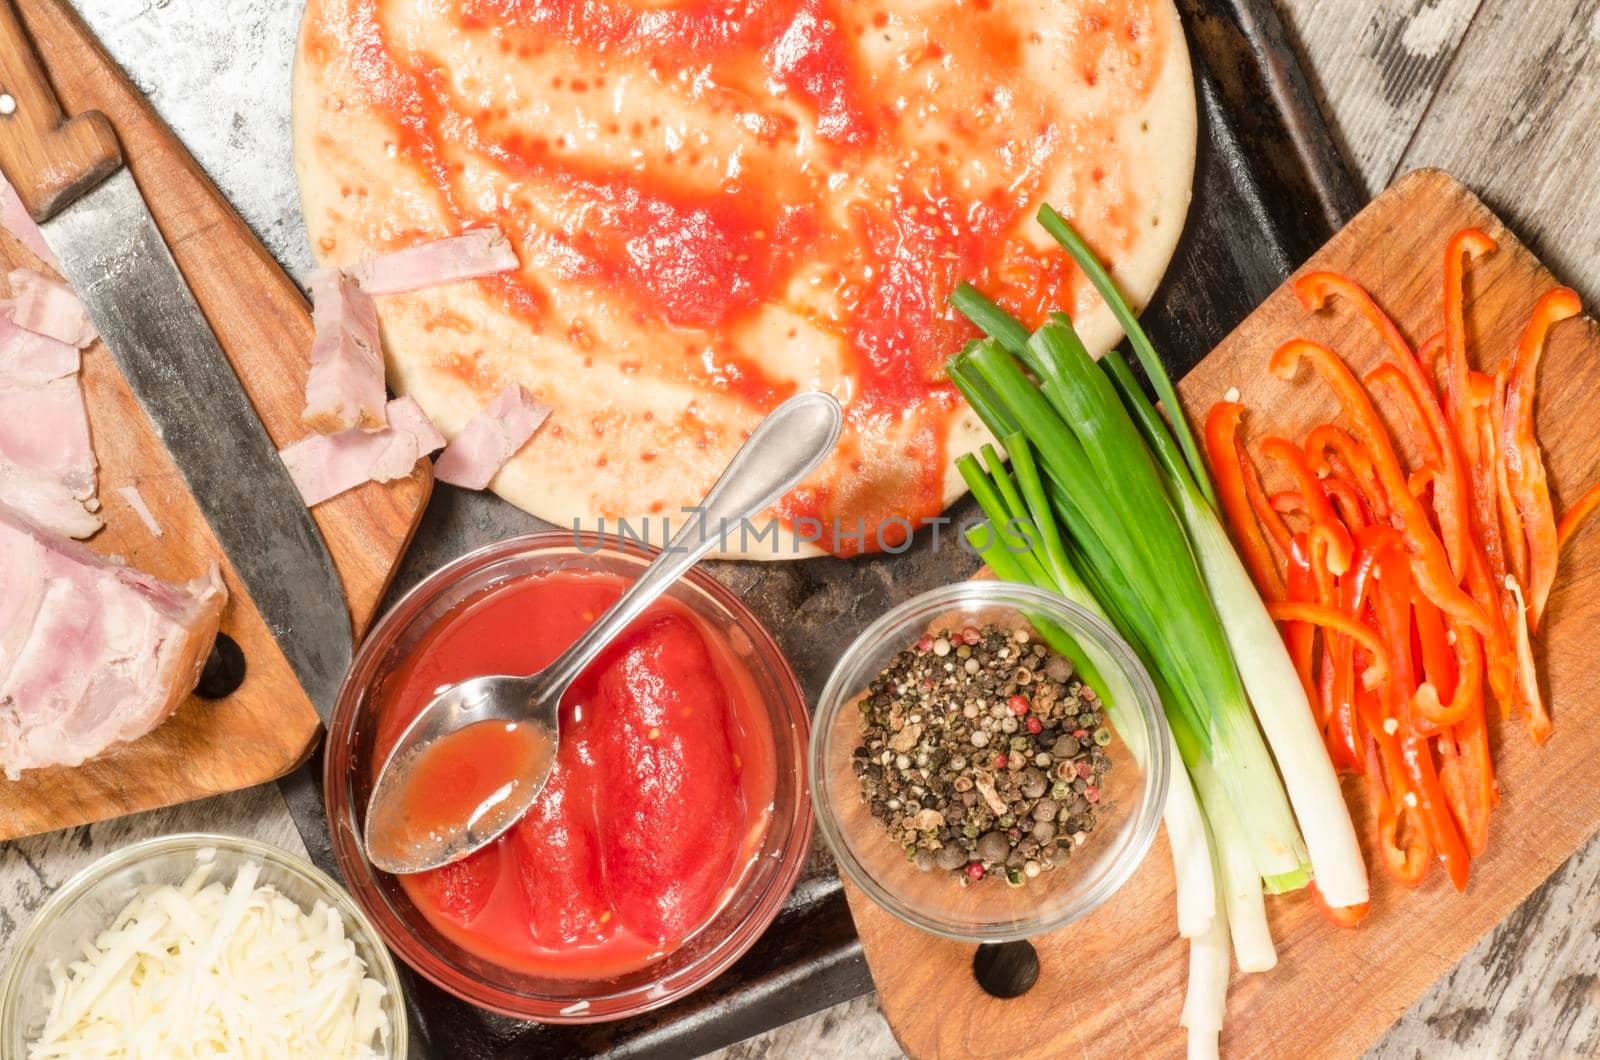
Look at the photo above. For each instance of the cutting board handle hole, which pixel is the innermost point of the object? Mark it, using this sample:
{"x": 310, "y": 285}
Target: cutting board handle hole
{"x": 1006, "y": 969}
{"x": 224, "y": 669}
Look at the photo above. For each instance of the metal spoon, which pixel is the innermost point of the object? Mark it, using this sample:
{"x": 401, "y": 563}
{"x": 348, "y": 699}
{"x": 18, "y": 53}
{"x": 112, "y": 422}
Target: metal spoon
{"x": 785, "y": 447}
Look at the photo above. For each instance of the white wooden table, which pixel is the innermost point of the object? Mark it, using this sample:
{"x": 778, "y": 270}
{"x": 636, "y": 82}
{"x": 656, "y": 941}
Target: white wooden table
{"x": 1503, "y": 93}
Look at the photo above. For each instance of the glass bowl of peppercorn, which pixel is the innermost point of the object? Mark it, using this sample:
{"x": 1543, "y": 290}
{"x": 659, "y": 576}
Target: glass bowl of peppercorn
{"x": 970, "y": 776}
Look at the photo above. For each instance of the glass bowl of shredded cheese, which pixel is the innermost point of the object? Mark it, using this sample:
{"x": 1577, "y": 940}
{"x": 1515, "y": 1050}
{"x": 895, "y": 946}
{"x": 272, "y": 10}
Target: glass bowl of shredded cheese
{"x": 201, "y": 945}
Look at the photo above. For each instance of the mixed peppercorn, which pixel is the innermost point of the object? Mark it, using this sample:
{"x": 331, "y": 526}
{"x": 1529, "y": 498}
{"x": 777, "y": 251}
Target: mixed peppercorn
{"x": 981, "y": 755}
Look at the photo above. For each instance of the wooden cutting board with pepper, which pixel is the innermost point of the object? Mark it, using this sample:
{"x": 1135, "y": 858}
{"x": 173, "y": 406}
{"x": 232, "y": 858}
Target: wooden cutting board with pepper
{"x": 1113, "y": 983}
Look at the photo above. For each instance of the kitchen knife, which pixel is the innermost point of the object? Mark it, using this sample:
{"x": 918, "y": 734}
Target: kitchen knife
{"x": 69, "y": 174}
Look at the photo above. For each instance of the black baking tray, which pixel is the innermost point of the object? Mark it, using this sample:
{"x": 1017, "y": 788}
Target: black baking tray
{"x": 1270, "y": 188}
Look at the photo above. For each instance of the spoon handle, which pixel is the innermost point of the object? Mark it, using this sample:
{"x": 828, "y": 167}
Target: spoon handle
{"x": 783, "y": 449}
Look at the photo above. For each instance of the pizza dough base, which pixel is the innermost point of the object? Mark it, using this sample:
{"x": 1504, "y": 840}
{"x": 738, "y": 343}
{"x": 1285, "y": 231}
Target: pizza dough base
{"x": 609, "y": 449}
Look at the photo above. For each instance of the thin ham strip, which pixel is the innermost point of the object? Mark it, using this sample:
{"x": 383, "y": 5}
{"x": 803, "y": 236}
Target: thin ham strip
{"x": 345, "y": 388}
{"x": 325, "y": 465}
{"x": 474, "y": 253}
{"x": 45, "y": 429}
{"x": 92, "y": 652}
{"x": 14, "y": 218}
{"x": 47, "y": 462}
{"x": 135, "y": 501}
{"x": 46, "y": 502}
{"x": 29, "y": 358}
{"x": 46, "y": 307}
{"x": 490, "y": 438}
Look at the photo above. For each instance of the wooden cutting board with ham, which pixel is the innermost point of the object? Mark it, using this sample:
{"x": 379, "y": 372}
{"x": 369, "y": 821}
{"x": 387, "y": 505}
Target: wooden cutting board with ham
{"x": 267, "y": 726}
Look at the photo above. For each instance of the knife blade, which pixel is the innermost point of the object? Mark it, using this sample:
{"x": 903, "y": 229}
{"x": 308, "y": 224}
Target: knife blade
{"x": 115, "y": 259}
{"x": 117, "y": 262}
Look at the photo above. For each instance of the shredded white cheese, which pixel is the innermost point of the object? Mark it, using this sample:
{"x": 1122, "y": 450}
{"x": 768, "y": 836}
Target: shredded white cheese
{"x": 203, "y": 970}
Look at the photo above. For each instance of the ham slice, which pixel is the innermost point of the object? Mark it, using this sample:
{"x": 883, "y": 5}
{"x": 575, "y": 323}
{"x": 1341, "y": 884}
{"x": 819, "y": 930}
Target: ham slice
{"x": 47, "y": 502}
{"x": 46, "y": 307}
{"x": 29, "y": 358}
{"x": 325, "y": 465}
{"x": 345, "y": 388}
{"x": 47, "y": 463}
{"x": 14, "y": 218}
{"x": 474, "y": 253}
{"x": 490, "y": 438}
{"x": 92, "y": 652}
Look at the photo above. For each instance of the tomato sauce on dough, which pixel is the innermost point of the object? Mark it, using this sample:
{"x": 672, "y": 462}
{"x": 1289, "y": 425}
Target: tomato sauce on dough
{"x": 658, "y": 803}
{"x": 692, "y": 165}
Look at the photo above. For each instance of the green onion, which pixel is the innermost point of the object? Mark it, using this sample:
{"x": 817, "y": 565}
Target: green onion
{"x": 1172, "y": 590}
{"x": 1205, "y": 1002}
{"x": 1085, "y": 259}
{"x": 1276, "y": 692}
{"x": 991, "y": 319}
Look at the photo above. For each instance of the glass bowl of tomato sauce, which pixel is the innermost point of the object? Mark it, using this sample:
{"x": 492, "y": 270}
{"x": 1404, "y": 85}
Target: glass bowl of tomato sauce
{"x": 675, "y": 821}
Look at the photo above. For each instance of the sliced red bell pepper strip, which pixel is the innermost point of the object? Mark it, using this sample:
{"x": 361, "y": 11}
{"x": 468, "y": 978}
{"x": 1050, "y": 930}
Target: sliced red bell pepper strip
{"x": 1426, "y": 795}
{"x": 1438, "y": 661}
{"x": 1464, "y": 245}
{"x": 1348, "y": 916}
{"x": 1428, "y": 352}
{"x": 1325, "y": 521}
{"x": 1331, "y": 449}
{"x": 1486, "y": 576}
{"x": 1433, "y": 571}
{"x": 1348, "y": 502}
{"x": 1572, "y": 519}
{"x": 1403, "y": 840}
{"x": 1468, "y": 693}
{"x": 1486, "y": 559}
{"x": 1349, "y": 719}
{"x": 1356, "y": 587}
{"x": 1486, "y": 528}
{"x": 1393, "y": 607}
{"x": 1227, "y": 468}
{"x": 1499, "y": 651}
{"x": 1531, "y": 698}
{"x": 1277, "y": 531}
{"x": 1471, "y": 397}
{"x": 1435, "y": 808}
{"x": 1472, "y": 790}
{"x": 1401, "y": 836}
{"x": 1338, "y": 688}
{"x": 1312, "y": 290}
{"x": 1510, "y": 519}
{"x": 1524, "y": 462}
{"x": 1336, "y": 621}
{"x": 1389, "y": 375}
{"x": 1321, "y": 542}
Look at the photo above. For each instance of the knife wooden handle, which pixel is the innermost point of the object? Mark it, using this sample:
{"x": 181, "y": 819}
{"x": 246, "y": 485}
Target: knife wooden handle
{"x": 49, "y": 158}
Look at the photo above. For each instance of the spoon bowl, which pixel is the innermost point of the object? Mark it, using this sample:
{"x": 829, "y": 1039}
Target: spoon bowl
{"x": 499, "y": 714}
{"x": 411, "y": 826}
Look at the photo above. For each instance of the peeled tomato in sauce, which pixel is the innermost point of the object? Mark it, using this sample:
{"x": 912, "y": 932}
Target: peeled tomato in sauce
{"x": 658, "y": 801}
